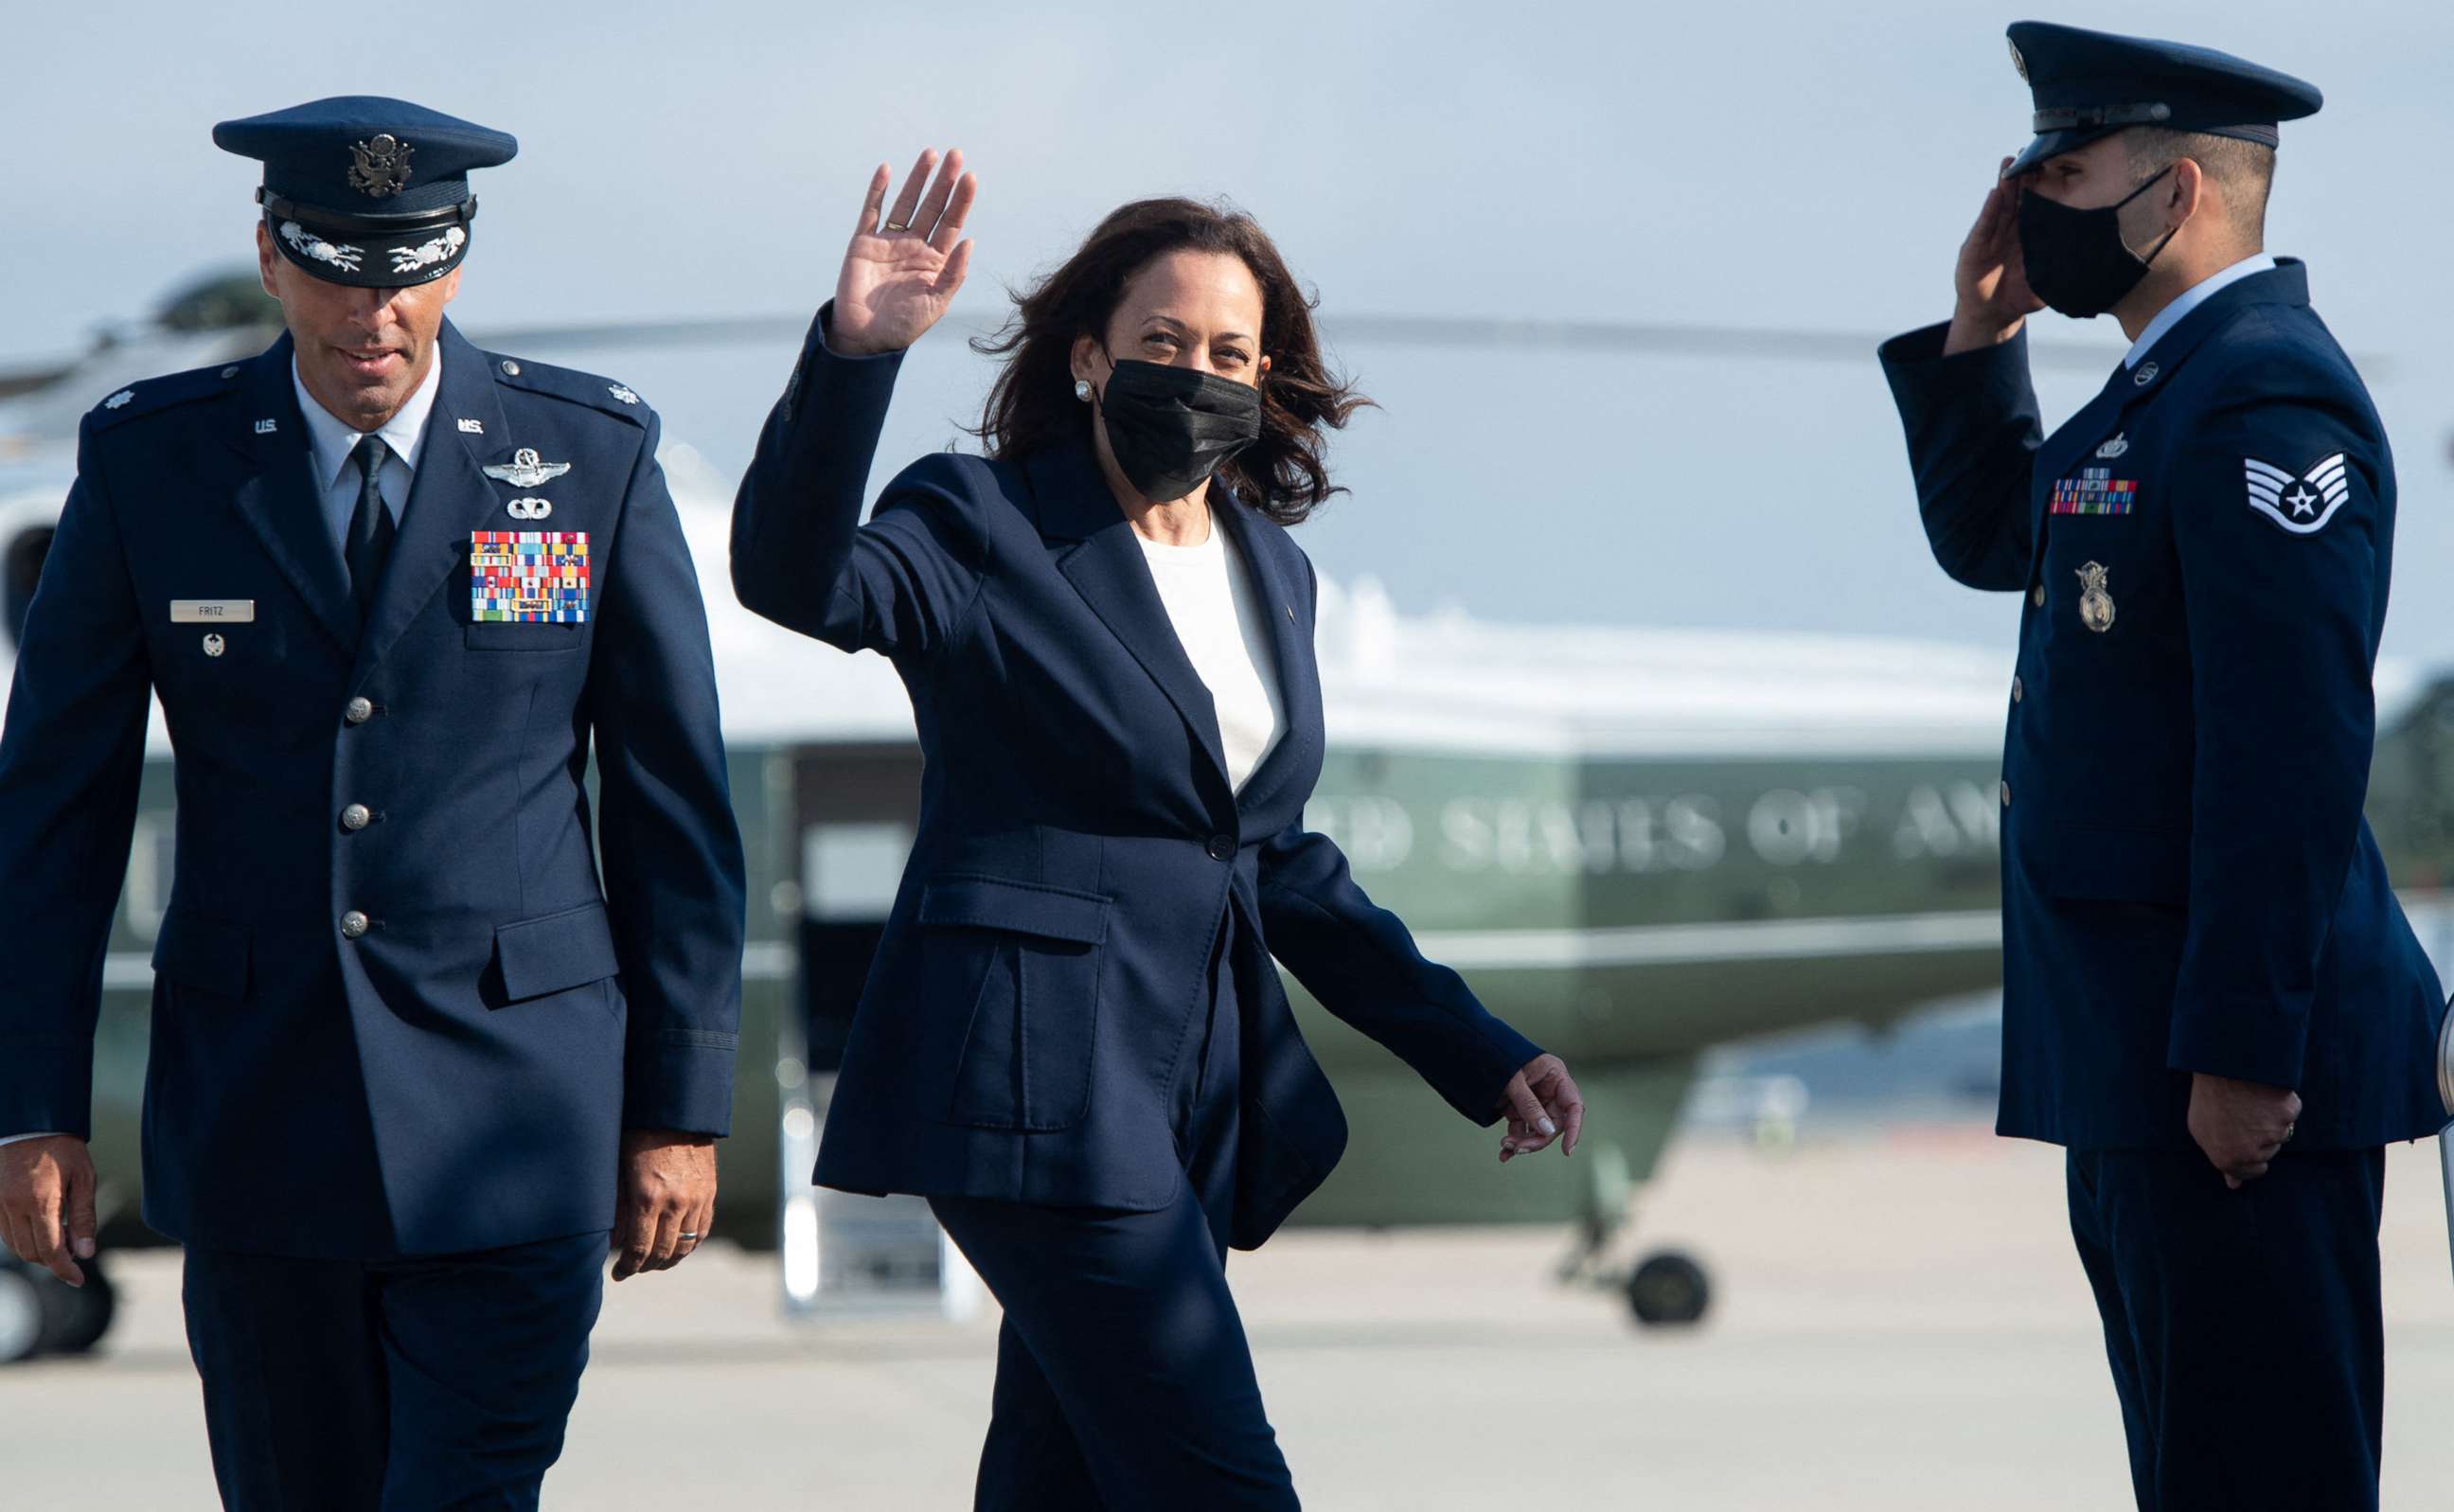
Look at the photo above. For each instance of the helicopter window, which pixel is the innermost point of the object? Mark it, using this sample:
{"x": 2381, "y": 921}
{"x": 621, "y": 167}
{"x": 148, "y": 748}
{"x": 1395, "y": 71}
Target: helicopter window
{"x": 24, "y": 569}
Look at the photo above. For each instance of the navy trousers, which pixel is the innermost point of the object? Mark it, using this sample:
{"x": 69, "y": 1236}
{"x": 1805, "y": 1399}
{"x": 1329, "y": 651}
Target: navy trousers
{"x": 2244, "y": 1327}
{"x": 409, "y": 1386}
{"x": 1124, "y": 1380}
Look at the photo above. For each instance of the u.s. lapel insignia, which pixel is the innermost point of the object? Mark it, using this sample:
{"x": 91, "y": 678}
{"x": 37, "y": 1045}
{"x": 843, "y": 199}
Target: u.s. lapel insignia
{"x": 214, "y": 645}
{"x": 473, "y": 427}
{"x": 380, "y": 166}
{"x": 2114, "y": 448}
{"x": 2301, "y": 505}
{"x": 525, "y": 470}
{"x": 2095, "y": 604}
{"x": 267, "y": 427}
{"x": 529, "y": 509}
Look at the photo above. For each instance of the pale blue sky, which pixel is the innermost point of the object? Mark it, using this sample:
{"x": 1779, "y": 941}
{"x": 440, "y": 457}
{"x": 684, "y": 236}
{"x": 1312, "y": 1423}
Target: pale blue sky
{"x": 1789, "y": 165}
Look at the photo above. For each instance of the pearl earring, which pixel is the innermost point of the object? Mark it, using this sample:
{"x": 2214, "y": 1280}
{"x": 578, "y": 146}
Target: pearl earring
{"x": 1082, "y": 389}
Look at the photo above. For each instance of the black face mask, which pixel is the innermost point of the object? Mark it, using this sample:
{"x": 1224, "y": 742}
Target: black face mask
{"x": 1171, "y": 427}
{"x": 2076, "y": 261}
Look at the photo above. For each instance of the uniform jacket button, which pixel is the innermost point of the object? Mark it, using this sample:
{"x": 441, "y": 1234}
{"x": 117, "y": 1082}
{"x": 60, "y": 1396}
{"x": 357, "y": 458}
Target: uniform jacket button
{"x": 352, "y": 924}
{"x": 2006, "y": 794}
{"x": 2018, "y": 690}
{"x": 2037, "y": 596}
{"x": 356, "y": 817}
{"x": 358, "y": 710}
{"x": 1220, "y": 848}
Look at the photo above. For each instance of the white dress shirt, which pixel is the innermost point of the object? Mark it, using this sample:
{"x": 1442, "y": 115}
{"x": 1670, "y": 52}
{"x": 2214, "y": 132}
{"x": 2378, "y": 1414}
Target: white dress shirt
{"x": 2190, "y": 298}
{"x": 330, "y": 442}
{"x": 1210, "y": 601}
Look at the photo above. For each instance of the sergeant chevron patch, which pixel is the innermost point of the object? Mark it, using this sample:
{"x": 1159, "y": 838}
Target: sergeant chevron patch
{"x": 2301, "y": 505}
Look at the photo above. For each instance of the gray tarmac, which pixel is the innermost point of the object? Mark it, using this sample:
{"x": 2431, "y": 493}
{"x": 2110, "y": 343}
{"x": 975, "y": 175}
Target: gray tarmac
{"x": 1899, "y": 1323}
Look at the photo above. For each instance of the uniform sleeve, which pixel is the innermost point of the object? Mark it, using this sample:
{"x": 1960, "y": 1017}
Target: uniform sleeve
{"x": 1358, "y": 959}
{"x": 72, "y": 756}
{"x": 670, "y": 850}
{"x": 800, "y": 555}
{"x": 1972, "y": 426}
{"x": 2282, "y": 537}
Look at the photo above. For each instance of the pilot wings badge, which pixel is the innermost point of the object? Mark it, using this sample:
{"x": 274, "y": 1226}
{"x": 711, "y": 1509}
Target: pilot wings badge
{"x": 2095, "y": 604}
{"x": 525, "y": 470}
{"x": 381, "y": 168}
{"x": 2301, "y": 505}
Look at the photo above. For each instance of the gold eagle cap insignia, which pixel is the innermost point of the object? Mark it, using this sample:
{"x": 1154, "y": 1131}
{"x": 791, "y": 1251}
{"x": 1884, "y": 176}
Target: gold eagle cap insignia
{"x": 381, "y": 166}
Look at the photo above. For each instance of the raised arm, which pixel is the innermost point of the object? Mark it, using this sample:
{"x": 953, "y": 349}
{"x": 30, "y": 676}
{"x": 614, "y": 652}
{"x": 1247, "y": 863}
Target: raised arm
{"x": 800, "y": 555}
{"x": 1968, "y": 408}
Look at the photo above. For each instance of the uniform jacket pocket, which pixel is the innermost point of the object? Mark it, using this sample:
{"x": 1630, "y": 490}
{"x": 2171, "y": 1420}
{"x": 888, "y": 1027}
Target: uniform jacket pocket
{"x": 555, "y": 952}
{"x": 1021, "y": 962}
{"x": 203, "y": 954}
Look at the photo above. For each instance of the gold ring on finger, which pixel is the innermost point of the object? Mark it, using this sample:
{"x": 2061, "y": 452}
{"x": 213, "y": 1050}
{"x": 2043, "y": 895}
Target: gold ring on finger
{"x": 898, "y": 225}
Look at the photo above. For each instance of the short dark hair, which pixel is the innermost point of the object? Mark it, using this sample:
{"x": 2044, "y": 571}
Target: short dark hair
{"x": 2246, "y": 170}
{"x": 1285, "y": 473}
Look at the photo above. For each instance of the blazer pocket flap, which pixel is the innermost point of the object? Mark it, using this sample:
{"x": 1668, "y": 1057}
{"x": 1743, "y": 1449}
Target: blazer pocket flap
{"x": 208, "y": 955}
{"x": 2114, "y": 866}
{"x": 1025, "y": 908}
{"x": 555, "y": 952}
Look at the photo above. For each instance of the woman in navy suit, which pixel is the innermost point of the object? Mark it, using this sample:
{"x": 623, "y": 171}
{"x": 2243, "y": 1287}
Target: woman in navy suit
{"x": 1073, "y": 1041}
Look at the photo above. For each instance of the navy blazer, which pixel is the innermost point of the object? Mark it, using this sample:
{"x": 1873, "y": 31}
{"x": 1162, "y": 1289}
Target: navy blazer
{"x": 1041, "y": 982}
{"x": 2189, "y": 883}
{"x": 456, "y": 1076}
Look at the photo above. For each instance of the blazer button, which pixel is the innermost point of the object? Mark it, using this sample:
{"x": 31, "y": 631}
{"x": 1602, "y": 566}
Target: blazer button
{"x": 358, "y": 710}
{"x": 356, "y": 817}
{"x": 352, "y": 924}
{"x": 2037, "y": 596}
{"x": 1220, "y": 848}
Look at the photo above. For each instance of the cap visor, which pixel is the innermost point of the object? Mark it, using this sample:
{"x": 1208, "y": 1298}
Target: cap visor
{"x": 361, "y": 260}
{"x": 2054, "y": 143}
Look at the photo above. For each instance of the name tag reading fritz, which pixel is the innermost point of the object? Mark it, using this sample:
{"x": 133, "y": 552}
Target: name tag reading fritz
{"x": 212, "y": 610}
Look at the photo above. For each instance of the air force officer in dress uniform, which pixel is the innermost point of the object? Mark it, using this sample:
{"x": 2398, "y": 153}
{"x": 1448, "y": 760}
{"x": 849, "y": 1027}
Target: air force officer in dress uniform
{"x": 1073, "y": 1041}
{"x": 2211, "y": 996}
{"x": 410, "y": 1062}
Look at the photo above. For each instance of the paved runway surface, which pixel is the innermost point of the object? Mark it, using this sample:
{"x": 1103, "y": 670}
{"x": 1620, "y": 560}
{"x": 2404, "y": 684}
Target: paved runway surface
{"x": 1900, "y": 1325}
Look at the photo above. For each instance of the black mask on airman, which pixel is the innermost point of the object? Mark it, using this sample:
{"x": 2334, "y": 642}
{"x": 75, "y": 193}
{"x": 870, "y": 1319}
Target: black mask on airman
{"x": 2078, "y": 262}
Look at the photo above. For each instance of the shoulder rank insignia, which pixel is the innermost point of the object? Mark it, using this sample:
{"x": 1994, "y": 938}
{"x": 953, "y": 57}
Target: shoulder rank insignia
{"x": 622, "y": 392}
{"x": 525, "y": 470}
{"x": 2095, "y": 604}
{"x": 381, "y": 166}
{"x": 2301, "y": 505}
{"x": 119, "y": 399}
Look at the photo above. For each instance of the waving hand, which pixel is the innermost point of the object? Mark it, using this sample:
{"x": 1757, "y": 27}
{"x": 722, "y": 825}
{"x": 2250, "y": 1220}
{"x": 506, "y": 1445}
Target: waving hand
{"x": 902, "y": 272}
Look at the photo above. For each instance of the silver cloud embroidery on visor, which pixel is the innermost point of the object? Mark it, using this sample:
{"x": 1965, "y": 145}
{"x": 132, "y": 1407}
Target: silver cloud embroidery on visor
{"x": 312, "y": 246}
{"x": 425, "y": 254}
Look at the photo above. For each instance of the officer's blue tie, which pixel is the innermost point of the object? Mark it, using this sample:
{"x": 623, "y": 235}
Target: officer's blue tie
{"x": 370, "y": 528}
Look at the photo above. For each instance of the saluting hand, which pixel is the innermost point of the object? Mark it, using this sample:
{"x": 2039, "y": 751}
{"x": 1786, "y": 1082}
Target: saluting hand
{"x": 900, "y": 274}
{"x": 2242, "y": 1125}
{"x": 47, "y": 1203}
{"x": 1991, "y": 281}
{"x": 1543, "y": 1105}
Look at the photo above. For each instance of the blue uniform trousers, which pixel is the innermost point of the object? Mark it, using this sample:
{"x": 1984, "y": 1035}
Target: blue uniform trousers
{"x": 405, "y": 1386}
{"x": 2244, "y": 1327}
{"x": 1124, "y": 1380}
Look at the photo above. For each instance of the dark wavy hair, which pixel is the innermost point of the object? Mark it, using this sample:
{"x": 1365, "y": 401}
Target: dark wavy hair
{"x": 1031, "y": 405}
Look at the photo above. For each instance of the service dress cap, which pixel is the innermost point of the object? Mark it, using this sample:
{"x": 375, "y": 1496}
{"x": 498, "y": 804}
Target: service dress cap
{"x": 2088, "y": 85}
{"x": 366, "y": 191}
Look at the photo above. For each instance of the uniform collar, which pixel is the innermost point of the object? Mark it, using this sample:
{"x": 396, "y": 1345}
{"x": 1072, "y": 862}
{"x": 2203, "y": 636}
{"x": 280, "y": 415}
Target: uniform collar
{"x": 2190, "y": 298}
{"x": 331, "y": 441}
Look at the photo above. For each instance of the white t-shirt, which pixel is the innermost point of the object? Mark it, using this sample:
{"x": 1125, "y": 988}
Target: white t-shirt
{"x": 1209, "y": 598}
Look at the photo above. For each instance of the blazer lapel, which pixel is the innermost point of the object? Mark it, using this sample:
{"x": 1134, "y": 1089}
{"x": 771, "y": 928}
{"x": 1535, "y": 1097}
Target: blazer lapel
{"x": 1108, "y": 570}
{"x": 1272, "y": 563}
{"x": 448, "y": 497}
{"x": 281, "y": 499}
